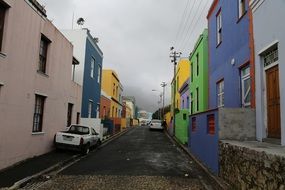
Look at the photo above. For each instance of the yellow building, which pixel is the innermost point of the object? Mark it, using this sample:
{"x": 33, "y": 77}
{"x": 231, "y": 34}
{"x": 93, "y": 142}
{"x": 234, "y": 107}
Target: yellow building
{"x": 112, "y": 87}
{"x": 182, "y": 74}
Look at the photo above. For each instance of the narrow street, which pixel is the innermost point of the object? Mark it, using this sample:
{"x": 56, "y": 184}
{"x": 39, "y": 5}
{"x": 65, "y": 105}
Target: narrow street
{"x": 140, "y": 159}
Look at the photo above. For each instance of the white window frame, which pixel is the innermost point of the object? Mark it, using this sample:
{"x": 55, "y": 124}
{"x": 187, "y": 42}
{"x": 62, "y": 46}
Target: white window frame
{"x": 247, "y": 93}
{"x": 219, "y": 27}
{"x": 90, "y": 107}
{"x": 99, "y": 74}
{"x": 221, "y": 93}
{"x": 98, "y": 111}
{"x": 92, "y": 66}
{"x": 241, "y": 8}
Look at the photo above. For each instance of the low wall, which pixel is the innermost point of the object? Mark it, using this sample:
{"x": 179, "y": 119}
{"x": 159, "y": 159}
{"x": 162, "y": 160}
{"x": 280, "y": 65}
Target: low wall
{"x": 246, "y": 168}
{"x": 202, "y": 144}
{"x": 237, "y": 124}
{"x": 95, "y": 123}
{"x": 181, "y": 126}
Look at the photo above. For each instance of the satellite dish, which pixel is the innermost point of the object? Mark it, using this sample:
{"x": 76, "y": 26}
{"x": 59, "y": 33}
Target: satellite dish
{"x": 80, "y": 21}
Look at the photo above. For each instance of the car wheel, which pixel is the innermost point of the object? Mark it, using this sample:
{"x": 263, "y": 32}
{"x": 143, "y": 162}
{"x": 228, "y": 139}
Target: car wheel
{"x": 86, "y": 149}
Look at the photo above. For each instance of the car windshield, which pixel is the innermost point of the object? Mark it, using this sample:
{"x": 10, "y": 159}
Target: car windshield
{"x": 80, "y": 130}
{"x": 156, "y": 121}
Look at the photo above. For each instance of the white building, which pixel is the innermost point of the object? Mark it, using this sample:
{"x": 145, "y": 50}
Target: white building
{"x": 269, "y": 42}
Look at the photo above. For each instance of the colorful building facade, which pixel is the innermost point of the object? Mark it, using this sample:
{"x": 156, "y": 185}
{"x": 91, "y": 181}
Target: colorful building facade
{"x": 112, "y": 87}
{"x": 231, "y": 83}
{"x": 105, "y": 105}
{"x": 199, "y": 75}
{"x": 269, "y": 43}
{"x": 89, "y": 73}
{"x": 37, "y": 95}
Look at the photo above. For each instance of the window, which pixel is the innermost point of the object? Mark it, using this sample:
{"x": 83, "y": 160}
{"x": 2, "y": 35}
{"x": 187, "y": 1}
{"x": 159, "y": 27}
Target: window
{"x": 197, "y": 60}
{"x": 98, "y": 111}
{"x": 191, "y": 110}
{"x": 114, "y": 89}
{"x": 187, "y": 102}
{"x": 241, "y": 10}
{"x": 90, "y": 106}
{"x": 211, "y": 124}
{"x": 177, "y": 83}
{"x": 220, "y": 89}
{"x": 38, "y": 113}
{"x": 194, "y": 127}
{"x": 116, "y": 112}
{"x": 219, "y": 27}
{"x": 113, "y": 111}
{"x": 245, "y": 86}
{"x": 184, "y": 116}
{"x": 99, "y": 74}
{"x": 104, "y": 111}
{"x": 271, "y": 56}
{"x": 197, "y": 99}
{"x": 43, "y": 54}
{"x": 182, "y": 106}
{"x": 192, "y": 72}
{"x": 69, "y": 114}
{"x": 92, "y": 67}
{"x": 77, "y": 118}
{"x": 2, "y": 20}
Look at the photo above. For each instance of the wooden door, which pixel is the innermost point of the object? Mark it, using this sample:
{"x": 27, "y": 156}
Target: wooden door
{"x": 273, "y": 102}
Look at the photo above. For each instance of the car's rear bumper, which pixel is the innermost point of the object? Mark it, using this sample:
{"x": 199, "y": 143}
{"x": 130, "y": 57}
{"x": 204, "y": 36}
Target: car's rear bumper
{"x": 156, "y": 127}
{"x": 68, "y": 146}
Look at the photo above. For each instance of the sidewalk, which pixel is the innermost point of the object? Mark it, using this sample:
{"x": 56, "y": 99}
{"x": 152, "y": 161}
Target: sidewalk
{"x": 32, "y": 166}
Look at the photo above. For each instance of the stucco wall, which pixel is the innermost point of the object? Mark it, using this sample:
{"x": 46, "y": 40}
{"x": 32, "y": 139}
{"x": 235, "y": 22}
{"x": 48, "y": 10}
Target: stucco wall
{"x": 200, "y": 81}
{"x": 181, "y": 126}
{"x": 18, "y": 72}
{"x": 237, "y": 124}
{"x": 203, "y": 145}
{"x": 268, "y": 12}
{"x": 233, "y": 49}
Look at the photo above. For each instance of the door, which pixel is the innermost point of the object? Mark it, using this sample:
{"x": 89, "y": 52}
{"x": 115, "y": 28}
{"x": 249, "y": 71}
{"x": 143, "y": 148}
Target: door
{"x": 273, "y": 102}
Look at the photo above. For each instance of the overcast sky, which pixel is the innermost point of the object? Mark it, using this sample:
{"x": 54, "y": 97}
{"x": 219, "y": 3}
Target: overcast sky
{"x": 135, "y": 37}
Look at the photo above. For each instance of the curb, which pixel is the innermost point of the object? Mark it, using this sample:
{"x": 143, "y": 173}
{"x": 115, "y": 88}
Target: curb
{"x": 66, "y": 163}
{"x": 222, "y": 185}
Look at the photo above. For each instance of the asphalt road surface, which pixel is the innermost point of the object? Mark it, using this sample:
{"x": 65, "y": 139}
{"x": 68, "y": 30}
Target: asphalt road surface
{"x": 140, "y": 159}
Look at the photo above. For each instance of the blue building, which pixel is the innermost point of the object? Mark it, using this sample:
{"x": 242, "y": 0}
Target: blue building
{"x": 88, "y": 74}
{"x": 230, "y": 83}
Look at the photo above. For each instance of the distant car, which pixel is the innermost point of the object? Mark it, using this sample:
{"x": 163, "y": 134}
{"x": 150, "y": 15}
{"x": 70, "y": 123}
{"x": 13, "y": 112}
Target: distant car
{"x": 155, "y": 124}
{"x": 77, "y": 137}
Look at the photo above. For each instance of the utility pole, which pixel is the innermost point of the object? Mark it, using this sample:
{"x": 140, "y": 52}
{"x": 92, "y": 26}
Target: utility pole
{"x": 174, "y": 56}
{"x": 163, "y": 85}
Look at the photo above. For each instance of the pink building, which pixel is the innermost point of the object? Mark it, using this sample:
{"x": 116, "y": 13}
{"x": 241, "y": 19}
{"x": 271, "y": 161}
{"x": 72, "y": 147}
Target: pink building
{"x": 37, "y": 94}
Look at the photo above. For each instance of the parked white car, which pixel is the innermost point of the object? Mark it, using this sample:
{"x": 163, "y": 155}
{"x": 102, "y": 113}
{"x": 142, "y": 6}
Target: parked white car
{"x": 155, "y": 124}
{"x": 77, "y": 137}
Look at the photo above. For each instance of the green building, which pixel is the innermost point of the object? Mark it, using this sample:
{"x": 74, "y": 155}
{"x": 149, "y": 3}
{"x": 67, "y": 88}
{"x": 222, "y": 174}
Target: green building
{"x": 199, "y": 75}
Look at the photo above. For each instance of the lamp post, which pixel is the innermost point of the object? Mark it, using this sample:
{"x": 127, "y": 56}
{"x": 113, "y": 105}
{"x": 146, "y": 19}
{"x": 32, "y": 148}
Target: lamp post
{"x": 174, "y": 56}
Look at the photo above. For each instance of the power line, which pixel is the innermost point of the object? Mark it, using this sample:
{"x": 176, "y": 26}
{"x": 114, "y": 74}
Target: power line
{"x": 185, "y": 25}
{"x": 189, "y": 27}
{"x": 203, "y": 10}
{"x": 182, "y": 21}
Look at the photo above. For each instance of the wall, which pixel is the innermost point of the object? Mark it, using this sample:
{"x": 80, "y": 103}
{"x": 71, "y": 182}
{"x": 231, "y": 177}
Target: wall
{"x": 200, "y": 81}
{"x": 105, "y": 102}
{"x": 94, "y": 123}
{"x": 237, "y": 124}
{"x": 203, "y": 145}
{"x": 246, "y": 168}
{"x": 184, "y": 95}
{"x": 18, "y": 73}
{"x": 91, "y": 87}
{"x": 264, "y": 38}
{"x": 181, "y": 126}
{"x": 234, "y": 46}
